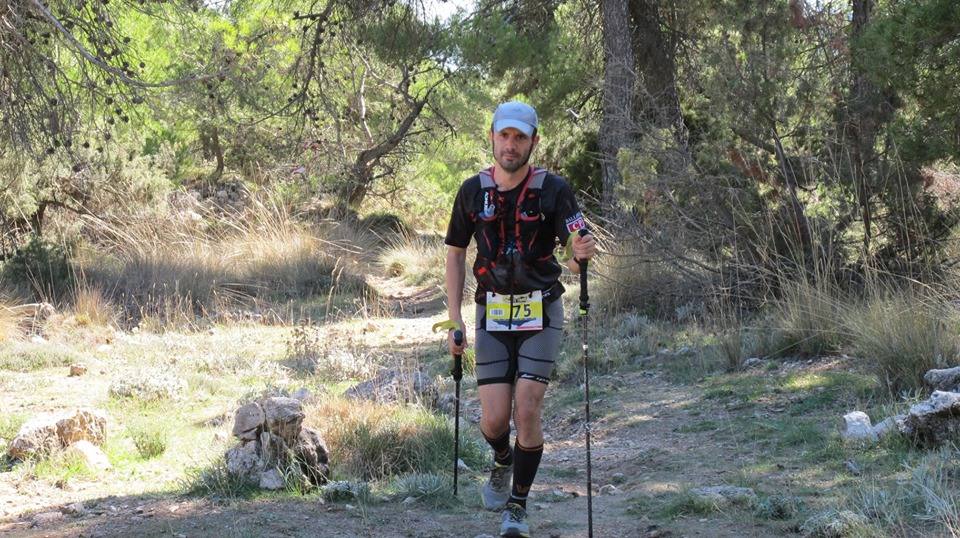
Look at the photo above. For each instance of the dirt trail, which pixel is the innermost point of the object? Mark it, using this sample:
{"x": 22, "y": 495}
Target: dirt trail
{"x": 637, "y": 419}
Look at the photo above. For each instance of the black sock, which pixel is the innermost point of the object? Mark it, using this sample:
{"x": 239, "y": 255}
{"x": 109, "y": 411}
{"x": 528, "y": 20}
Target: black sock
{"x": 501, "y": 447}
{"x": 524, "y": 470}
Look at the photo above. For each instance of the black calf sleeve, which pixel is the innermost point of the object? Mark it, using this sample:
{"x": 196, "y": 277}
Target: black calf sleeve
{"x": 526, "y": 463}
{"x": 501, "y": 447}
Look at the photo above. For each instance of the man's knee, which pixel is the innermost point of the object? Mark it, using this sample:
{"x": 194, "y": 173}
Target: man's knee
{"x": 528, "y": 413}
{"x": 494, "y": 425}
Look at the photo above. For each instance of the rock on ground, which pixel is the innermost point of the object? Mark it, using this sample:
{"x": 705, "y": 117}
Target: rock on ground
{"x": 947, "y": 379}
{"x": 271, "y": 479}
{"x": 273, "y": 442}
{"x": 44, "y": 434}
{"x": 284, "y": 417}
{"x": 935, "y": 421}
{"x": 90, "y": 454}
{"x": 243, "y": 460}
{"x": 857, "y": 427}
{"x": 248, "y": 422}
{"x": 312, "y": 457}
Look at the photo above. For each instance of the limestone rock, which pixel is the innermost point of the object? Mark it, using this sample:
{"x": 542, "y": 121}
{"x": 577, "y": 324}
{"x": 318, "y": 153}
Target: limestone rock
{"x": 36, "y": 438}
{"x": 947, "y": 379}
{"x": 304, "y": 395}
{"x": 934, "y": 421}
{"x": 857, "y": 427}
{"x": 45, "y": 518}
{"x": 609, "y": 489}
{"x": 887, "y": 426}
{"x": 75, "y": 510}
{"x": 311, "y": 454}
{"x": 244, "y": 460}
{"x": 284, "y": 417}
{"x": 45, "y": 434}
{"x": 84, "y": 425}
{"x": 248, "y": 422}
{"x": 271, "y": 479}
{"x": 90, "y": 454}
{"x": 274, "y": 450}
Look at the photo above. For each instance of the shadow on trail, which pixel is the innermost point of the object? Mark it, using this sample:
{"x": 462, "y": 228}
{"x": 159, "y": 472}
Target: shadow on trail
{"x": 154, "y": 516}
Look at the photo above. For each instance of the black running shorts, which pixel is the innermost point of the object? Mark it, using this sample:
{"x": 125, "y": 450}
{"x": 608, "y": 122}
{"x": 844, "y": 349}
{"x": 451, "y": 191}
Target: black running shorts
{"x": 505, "y": 356}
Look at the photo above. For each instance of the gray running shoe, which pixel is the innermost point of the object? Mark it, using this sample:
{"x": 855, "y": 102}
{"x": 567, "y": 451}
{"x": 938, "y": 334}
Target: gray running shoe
{"x": 496, "y": 490}
{"x": 515, "y": 522}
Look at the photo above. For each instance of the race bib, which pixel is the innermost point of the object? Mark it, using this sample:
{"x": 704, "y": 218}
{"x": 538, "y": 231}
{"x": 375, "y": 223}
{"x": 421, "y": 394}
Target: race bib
{"x": 521, "y": 312}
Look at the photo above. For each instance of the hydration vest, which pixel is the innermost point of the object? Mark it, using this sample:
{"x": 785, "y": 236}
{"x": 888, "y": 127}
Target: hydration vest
{"x": 505, "y": 257}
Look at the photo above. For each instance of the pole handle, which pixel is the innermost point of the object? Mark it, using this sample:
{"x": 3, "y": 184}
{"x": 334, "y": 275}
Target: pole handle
{"x": 457, "y": 371}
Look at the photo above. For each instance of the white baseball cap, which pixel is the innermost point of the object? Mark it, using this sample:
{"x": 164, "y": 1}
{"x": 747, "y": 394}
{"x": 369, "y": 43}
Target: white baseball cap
{"x": 520, "y": 116}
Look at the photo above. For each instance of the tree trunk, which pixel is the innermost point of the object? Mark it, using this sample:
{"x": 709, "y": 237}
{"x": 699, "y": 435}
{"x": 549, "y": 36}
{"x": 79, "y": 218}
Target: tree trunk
{"x": 619, "y": 81}
{"x": 361, "y": 174}
{"x": 659, "y": 102}
{"x": 210, "y": 143}
{"x": 861, "y": 130}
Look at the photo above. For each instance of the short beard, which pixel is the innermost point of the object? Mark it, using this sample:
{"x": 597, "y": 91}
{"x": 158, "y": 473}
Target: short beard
{"x": 520, "y": 164}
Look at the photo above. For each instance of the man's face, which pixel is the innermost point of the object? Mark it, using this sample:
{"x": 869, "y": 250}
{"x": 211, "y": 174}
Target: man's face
{"x": 512, "y": 148}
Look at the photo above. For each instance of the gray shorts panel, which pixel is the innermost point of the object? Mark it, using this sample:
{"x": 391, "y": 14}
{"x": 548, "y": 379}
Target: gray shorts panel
{"x": 503, "y": 356}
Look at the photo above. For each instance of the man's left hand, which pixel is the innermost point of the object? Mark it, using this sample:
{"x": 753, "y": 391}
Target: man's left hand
{"x": 584, "y": 247}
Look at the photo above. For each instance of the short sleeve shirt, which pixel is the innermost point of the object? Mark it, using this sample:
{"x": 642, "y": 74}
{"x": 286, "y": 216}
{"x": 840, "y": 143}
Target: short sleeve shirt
{"x": 558, "y": 204}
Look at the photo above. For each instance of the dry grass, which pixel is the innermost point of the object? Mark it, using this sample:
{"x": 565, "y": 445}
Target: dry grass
{"x": 375, "y": 441}
{"x": 177, "y": 269}
{"x": 417, "y": 259}
{"x": 904, "y": 335}
{"x": 9, "y": 323}
{"x": 809, "y": 317}
{"x": 92, "y": 307}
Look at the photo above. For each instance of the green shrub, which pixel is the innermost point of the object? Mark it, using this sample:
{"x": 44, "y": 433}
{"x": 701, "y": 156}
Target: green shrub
{"x": 10, "y": 424}
{"x": 28, "y": 356}
{"x": 151, "y": 437}
{"x": 431, "y": 488}
{"x": 42, "y": 267}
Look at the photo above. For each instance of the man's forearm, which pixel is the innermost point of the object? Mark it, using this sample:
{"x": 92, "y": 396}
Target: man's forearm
{"x": 455, "y": 274}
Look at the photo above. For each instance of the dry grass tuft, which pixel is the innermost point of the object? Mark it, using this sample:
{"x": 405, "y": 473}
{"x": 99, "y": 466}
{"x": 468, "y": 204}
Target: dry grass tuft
{"x": 92, "y": 307}
{"x": 9, "y": 323}
{"x": 375, "y": 441}
{"x": 417, "y": 259}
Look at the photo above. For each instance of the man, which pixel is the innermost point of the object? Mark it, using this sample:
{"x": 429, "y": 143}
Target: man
{"x": 516, "y": 213}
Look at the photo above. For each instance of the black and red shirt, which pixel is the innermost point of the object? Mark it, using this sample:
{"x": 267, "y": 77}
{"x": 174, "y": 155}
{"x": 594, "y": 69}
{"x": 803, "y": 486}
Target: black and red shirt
{"x": 514, "y": 258}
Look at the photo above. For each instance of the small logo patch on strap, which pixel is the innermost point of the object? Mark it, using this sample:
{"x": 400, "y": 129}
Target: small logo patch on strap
{"x": 576, "y": 222}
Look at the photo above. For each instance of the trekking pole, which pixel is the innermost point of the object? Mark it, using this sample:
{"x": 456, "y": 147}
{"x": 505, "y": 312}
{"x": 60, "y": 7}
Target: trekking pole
{"x": 584, "y": 322}
{"x": 457, "y": 373}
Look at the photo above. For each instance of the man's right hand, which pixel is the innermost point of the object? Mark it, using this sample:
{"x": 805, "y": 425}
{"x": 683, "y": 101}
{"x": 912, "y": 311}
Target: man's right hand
{"x": 454, "y": 348}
